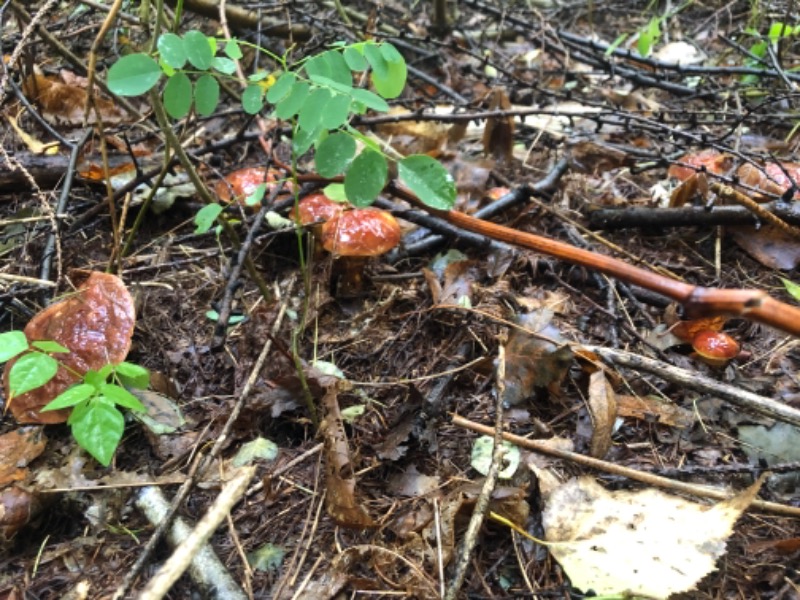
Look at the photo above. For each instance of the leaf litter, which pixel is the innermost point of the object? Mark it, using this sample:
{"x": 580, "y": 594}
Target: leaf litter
{"x": 421, "y": 342}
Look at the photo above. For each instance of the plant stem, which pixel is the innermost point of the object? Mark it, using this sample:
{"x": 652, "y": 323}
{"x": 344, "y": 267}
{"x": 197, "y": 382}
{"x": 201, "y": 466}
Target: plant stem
{"x": 163, "y": 122}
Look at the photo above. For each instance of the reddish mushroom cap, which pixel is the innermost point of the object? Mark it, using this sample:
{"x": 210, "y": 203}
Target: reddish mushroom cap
{"x": 315, "y": 208}
{"x": 244, "y": 182}
{"x": 715, "y": 347}
{"x": 712, "y": 160}
{"x": 361, "y": 232}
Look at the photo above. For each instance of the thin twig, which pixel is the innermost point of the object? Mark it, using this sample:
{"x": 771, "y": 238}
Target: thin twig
{"x": 614, "y": 469}
{"x": 482, "y": 502}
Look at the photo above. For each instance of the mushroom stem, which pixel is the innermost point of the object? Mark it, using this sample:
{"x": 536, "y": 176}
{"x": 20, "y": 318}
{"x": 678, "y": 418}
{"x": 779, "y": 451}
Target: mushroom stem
{"x": 347, "y": 275}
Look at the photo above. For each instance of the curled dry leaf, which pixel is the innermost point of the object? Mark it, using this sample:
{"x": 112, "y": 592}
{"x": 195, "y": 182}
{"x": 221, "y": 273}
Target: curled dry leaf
{"x": 414, "y": 137}
{"x": 535, "y": 359}
{"x": 654, "y": 409}
{"x": 341, "y": 483}
{"x": 603, "y": 407}
{"x": 498, "y": 134}
{"x": 95, "y": 323}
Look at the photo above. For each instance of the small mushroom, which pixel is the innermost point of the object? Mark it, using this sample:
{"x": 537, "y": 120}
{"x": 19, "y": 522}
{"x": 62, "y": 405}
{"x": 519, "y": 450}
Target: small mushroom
{"x": 715, "y": 347}
{"x": 353, "y": 237}
{"x": 237, "y": 186}
{"x": 314, "y": 210}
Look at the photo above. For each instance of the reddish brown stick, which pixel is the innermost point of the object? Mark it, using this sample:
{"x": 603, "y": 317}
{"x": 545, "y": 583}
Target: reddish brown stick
{"x": 697, "y": 302}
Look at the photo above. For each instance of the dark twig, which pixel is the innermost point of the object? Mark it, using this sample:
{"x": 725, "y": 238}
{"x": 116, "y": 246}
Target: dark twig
{"x": 687, "y": 216}
{"x": 235, "y": 271}
{"x": 52, "y": 238}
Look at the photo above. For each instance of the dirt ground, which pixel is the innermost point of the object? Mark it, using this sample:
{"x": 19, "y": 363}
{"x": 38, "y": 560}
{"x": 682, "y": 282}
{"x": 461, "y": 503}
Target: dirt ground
{"x": 371, "y": 494}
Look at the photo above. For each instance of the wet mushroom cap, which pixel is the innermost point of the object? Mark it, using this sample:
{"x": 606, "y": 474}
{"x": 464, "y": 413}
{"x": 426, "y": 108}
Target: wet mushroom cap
{"x": 315, "y": 208}
{"x": 242, "y": 183}
{"x": 361, "y": 232}
{"x": 715, "y": 346}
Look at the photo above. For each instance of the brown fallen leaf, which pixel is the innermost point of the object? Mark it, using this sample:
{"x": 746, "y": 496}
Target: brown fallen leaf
{"x": 535, "y": 360}
{"x": 769, "y": 245}
{"x": 651, "y": 408}
{"x": 498, "y": 133}
{"x": 95, "y": 323}
{"x": 66, "y": 104}
{"x": 340, "y": 478}
{"x": 603, "y": 408}
{"x": 17, "y": 449}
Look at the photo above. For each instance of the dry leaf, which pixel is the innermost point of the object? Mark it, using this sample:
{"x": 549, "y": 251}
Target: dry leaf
{"x": 645, "y": 543}
{"x": 652, "y": 408}
{"x": 66, "y": 104}
{"x": 34, "y": 145}
{"x": 17, "y": 449}
{"x": 787, "y": 546}
{"x": 412, "y": 483}
{"x": 534, "y": 360}
{"x": 603, "y": 408}
{"x": 95, "y": 323}
{"x": 341, "y": 483}
{"x": 498, "y": 133}
{"x": 769, "y": 245}
{"x": 417, "y": 137}
{"x": 694, "y": 187}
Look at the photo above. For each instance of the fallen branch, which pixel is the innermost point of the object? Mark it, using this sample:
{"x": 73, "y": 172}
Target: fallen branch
{"x": 697, "y": 302}
{"x": 689, "y": 379}
{"x": 192, "y": 550}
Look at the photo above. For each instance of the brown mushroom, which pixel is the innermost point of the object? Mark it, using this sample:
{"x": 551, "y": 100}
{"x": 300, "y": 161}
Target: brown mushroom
{"x": 237, "y": 186}
{"x": 715, "y": 347}
{"x": 353, "y": 237}
{"x": 314, "y": 210}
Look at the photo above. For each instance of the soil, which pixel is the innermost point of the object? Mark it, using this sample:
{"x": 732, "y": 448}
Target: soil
{"x": 373, "y": 484}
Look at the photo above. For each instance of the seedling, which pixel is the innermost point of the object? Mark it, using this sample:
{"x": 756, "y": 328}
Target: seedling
{"x": 778, "y": 31}
{"x": 96, "y": 422}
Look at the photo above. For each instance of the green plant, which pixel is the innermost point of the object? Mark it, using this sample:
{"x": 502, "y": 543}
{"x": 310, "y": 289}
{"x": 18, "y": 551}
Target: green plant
{"x": 649, "y": 36}
{"x": 33, "y": 369}
{"x": 777, "y": 31}
{"x": 792, "y": 288}
{"x": 316, "y": 95}
{"x": 96, "y": 422}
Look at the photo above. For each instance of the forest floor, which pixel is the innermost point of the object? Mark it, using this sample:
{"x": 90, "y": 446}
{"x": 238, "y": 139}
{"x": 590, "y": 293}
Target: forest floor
{"x": 372, "y": 495}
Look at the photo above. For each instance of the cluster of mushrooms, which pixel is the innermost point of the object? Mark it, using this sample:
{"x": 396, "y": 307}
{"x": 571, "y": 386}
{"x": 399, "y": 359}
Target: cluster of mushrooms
{"x": 351, "y": 235}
